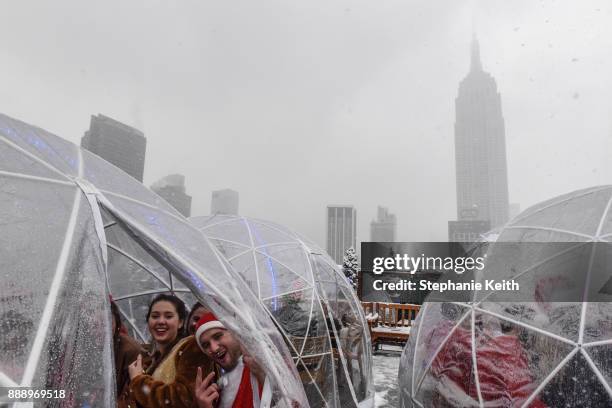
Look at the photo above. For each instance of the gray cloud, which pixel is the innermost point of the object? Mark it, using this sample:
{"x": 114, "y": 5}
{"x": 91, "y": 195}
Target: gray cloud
{"x": 300, "y": 104}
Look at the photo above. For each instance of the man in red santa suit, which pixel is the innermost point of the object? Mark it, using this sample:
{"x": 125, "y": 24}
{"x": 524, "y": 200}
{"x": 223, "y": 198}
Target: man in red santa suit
{"x": 242, "y": 382}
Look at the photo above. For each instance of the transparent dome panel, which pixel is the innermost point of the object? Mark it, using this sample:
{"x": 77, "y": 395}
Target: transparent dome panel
{"x": 558, "y": 318}
{"x": 275, "y": 279}
{"x": 233, "y": 230}
{"x": 175, "y": 233}
{"x": 107, "y": 177}
{"x": 513, "y": 360}
{"x": 128, "y": 277}
{"x": 319, "y": 334}
{"x": 318, "y": 377}
{"x": 437, "y": 322}
{"x": 450, "y": 380}
{"x": 521, "y": 234}
{"x": 601, "y": 357}
{"x": 291, "y": 256}
{"x": 59, "y": 154}
{"x": 292, "y": 312}
{"x": 28, "y": 268}
{"x": 278, "y": 268}
{"x": 266, "y": 234}
{"x": 202, "y": 222}
{"x": 14, "y": 161}
{"x": 76, "y": 354}
{"x": 575, "y": 385}
{"x": 230, "y": 249}
{"x": 598, "y": 322}
{"x": 581, "y": 214}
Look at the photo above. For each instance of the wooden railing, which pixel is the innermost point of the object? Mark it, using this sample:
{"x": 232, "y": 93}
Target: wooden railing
{"x": 389, "y": 323}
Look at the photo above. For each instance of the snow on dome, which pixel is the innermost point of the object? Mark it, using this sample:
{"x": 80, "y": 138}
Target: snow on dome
{"x": 310, "y": 301}
{"x": 529, "y": 353}
{"x": 74, "y": 228}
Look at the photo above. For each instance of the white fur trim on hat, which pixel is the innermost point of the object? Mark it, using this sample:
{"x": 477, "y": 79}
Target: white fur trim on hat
{"x": 213, "y": 324}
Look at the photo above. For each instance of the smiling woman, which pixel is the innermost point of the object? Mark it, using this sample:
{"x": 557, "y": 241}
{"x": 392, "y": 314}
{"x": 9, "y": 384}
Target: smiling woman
{"x": 165, "y": 320}
{"x": 169, "y": 378}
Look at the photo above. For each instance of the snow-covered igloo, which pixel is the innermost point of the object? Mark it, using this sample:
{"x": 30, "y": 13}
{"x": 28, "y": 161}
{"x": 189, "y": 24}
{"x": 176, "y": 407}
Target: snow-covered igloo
{"x": 310, "y": 301}
{"x": 529, "y": 352}
{"x": 74, "y": 229}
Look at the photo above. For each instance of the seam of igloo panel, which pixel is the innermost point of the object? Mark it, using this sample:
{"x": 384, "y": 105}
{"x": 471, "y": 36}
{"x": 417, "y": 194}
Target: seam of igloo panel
{"x": 604, "y": 216}
{"x": 341, "y": 352}
{"x": 34, "y": 157}
{"x": 423, "y": 312}
{"x": 587, "y": 284}
{"x": 133, "y": 200}
{"x": 255, "y": 263}
{"x": 551, "y": 229}
{"x": 597, "y": 343}
{"x": 474, "y": 362}
{"x": 35, "y": 178}
{"x": 62, "y": 264}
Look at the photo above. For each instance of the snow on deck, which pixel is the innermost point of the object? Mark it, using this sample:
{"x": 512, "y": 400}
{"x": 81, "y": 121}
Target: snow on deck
{"x": 386, "y": 366}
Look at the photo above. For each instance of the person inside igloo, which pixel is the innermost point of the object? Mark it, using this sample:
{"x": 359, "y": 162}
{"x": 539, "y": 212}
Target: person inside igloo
{"x": 550, "y": 345}
{"x": 166, "y": 374}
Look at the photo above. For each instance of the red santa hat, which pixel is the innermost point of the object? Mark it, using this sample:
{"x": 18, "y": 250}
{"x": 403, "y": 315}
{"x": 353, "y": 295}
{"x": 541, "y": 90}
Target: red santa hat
{"x": 207, "y": 321}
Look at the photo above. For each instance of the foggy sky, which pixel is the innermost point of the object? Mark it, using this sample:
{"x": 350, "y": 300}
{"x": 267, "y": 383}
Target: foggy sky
{"x": 301, "y": 104}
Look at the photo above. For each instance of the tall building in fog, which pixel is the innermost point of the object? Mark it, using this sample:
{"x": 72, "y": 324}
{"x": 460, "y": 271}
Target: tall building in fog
{"x": 224, "y": 202}
{"x": 172, "y": 189}
{"x": 480, "y": 148}
{"x": 383, "y": 229}
{"x": 341, "y": 230}
{"x": 116, "y": 143}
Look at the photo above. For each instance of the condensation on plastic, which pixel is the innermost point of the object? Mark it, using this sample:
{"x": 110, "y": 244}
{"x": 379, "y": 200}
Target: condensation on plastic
{"x": 310, "y": 300}
{"x": 77, "y": 353}
{"x": 37, "y": 194}
{"x": 31, "y": 235}
{"x": 537, "y": 354}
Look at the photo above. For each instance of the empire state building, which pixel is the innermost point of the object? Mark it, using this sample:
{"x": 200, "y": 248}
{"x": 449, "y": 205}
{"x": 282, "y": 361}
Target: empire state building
{"x": 480, "y": 147}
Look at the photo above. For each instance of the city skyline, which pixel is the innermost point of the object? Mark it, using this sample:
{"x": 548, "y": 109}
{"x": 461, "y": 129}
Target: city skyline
{"x": 359, "y": 110}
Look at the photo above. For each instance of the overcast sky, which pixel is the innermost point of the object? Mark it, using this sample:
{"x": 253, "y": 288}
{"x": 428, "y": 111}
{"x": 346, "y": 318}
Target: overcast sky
{"x": 299, "y": 104}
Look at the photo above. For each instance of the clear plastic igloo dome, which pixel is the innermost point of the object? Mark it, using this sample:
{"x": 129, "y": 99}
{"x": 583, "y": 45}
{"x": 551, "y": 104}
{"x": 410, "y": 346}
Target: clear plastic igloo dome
{"x": 310, "y": 301}
{"x": 74, "y": 229}
{"x": 531, "y": 352}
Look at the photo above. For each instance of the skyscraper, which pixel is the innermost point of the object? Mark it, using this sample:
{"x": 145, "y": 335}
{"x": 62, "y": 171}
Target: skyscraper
{"x": 341, "y": 230}
{"x": 383, "y": 229}
{"x": 224, "y": 202}
{"x": 116, "y": 143}
{"x": 480, "y": 147}
{"x": 172, "y": 189}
